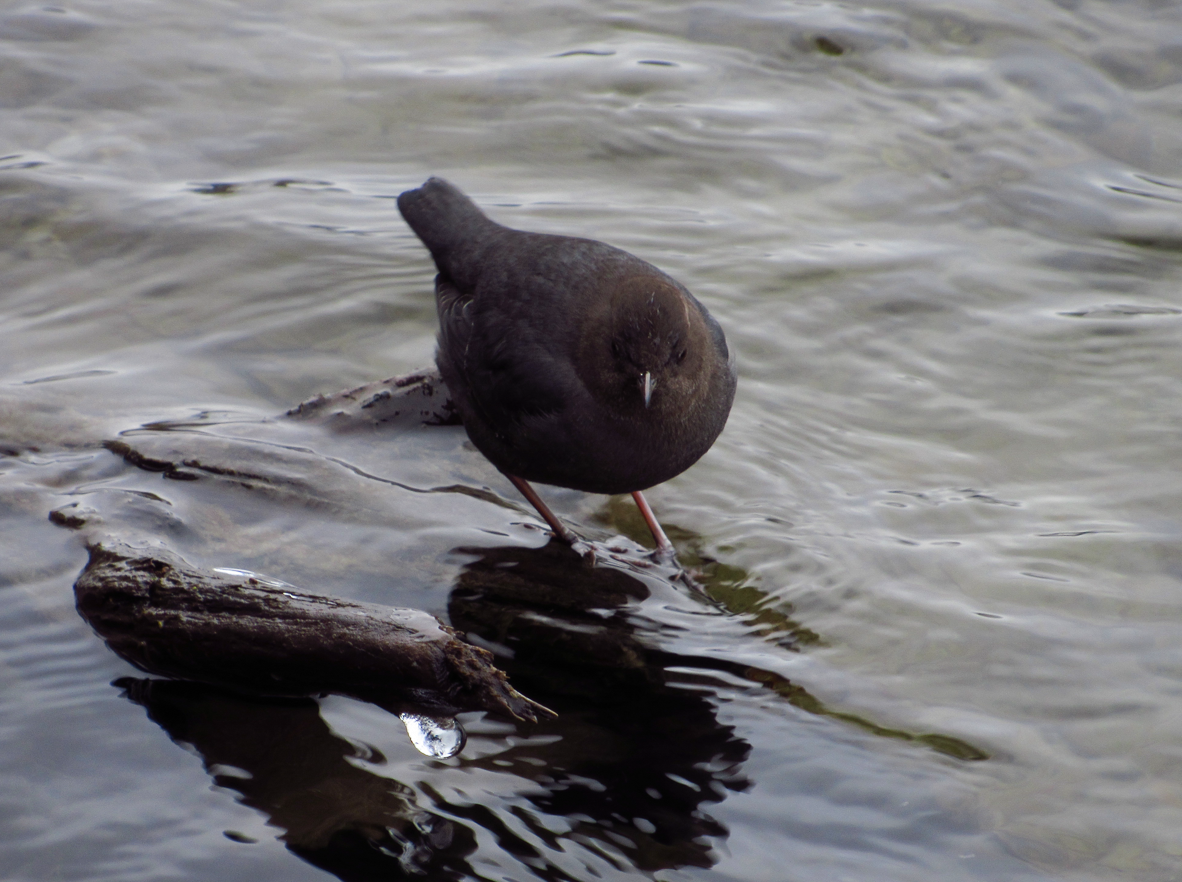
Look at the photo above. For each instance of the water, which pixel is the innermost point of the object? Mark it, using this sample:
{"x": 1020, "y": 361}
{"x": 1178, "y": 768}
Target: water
{"x": 441, "y": 738}
{"x": 944, "y": 241}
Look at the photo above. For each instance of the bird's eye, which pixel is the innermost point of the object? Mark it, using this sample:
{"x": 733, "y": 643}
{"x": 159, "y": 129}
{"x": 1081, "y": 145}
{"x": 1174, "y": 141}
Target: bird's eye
{"x": 681, "y": 356}
{"x": 616, "y": 348}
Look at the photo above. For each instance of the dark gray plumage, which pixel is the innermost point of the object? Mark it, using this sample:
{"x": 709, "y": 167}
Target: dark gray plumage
{"x": 571, "y": 362}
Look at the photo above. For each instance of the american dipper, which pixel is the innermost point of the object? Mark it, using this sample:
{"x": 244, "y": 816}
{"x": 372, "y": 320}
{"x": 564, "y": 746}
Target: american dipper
{"x": 570, "y": 362}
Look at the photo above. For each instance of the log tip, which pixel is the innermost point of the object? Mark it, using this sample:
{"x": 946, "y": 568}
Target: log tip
{"x": 473, "y": 667}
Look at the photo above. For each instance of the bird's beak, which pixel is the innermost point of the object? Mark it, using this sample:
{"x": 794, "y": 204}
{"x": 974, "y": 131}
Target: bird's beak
{"x": 649, "y": 385}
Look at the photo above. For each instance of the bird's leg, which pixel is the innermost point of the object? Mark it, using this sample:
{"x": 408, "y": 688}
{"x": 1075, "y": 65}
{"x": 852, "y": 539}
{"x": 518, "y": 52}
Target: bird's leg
{"x": 535, "y": 500}
{"x": 664, "y": 546}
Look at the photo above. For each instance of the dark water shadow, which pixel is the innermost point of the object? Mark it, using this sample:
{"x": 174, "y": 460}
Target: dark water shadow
{"x": 638, "y": 756}
{"x": 285, "y": 761}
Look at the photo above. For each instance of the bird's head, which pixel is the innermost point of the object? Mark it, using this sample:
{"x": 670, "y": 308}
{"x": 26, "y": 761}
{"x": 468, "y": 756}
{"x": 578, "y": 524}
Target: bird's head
{"x": 655, "y": 346}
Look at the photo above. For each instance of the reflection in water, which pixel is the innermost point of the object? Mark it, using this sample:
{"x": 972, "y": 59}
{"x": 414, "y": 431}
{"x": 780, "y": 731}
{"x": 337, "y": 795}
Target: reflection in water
{"x": 624, "y": 772}
{"x": 639, "y": 753}
{"x": 439, "y": 737}
{"x": 551, "y": 612}
{"x": 286, "y": 762}
{"x": 620, "y": 779}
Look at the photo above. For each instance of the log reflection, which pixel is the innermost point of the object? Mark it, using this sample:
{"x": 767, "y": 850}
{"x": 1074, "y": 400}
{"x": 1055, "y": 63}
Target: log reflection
{"x": 286, "y": 762}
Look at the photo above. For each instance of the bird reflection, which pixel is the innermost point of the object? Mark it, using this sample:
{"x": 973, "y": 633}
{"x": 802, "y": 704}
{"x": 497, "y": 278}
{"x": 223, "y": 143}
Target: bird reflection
{"x": 638, "y": 757}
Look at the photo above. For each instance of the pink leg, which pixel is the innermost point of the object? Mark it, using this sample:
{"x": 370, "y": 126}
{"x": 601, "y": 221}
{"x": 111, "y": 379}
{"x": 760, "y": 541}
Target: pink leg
{"x": 664, "y": 546}
{"x": 535, "y": 500}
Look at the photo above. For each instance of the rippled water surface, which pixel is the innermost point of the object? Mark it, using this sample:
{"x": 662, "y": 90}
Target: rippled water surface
{"x": 941, "y": 533}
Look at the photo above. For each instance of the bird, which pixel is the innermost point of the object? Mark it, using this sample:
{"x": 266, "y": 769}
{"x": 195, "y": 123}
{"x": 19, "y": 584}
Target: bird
{"x": 570, "y": 362}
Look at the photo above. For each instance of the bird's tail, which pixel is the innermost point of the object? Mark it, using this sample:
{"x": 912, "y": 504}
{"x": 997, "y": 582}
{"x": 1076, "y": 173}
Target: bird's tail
{"x": 445, "y": 219}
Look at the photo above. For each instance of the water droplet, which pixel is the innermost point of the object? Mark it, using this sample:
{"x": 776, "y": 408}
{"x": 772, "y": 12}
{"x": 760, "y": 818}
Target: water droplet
{"x": 438, "y": 737}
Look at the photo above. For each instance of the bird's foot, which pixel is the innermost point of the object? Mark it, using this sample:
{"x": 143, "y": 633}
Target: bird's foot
{"x": 665, "y": 556}
{"x": 585, "y": 550}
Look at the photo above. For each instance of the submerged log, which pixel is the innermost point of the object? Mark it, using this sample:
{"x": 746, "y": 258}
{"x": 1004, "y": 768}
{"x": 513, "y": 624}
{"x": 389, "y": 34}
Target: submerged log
{"x": 251, "y": 634}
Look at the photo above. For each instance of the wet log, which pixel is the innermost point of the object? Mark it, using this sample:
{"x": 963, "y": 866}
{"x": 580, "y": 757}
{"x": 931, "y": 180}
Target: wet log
{"x": 419, "y": 398}
{"x": 255, "y": 635}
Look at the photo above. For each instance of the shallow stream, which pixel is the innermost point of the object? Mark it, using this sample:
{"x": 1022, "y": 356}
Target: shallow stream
{"x": 941, "y": 536}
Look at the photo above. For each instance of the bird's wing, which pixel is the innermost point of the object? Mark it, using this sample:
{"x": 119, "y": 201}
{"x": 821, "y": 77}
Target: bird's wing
{"x": 510, "y": 374}
{"x": 517, "y": 377}
{"x": 454, "y": 308}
